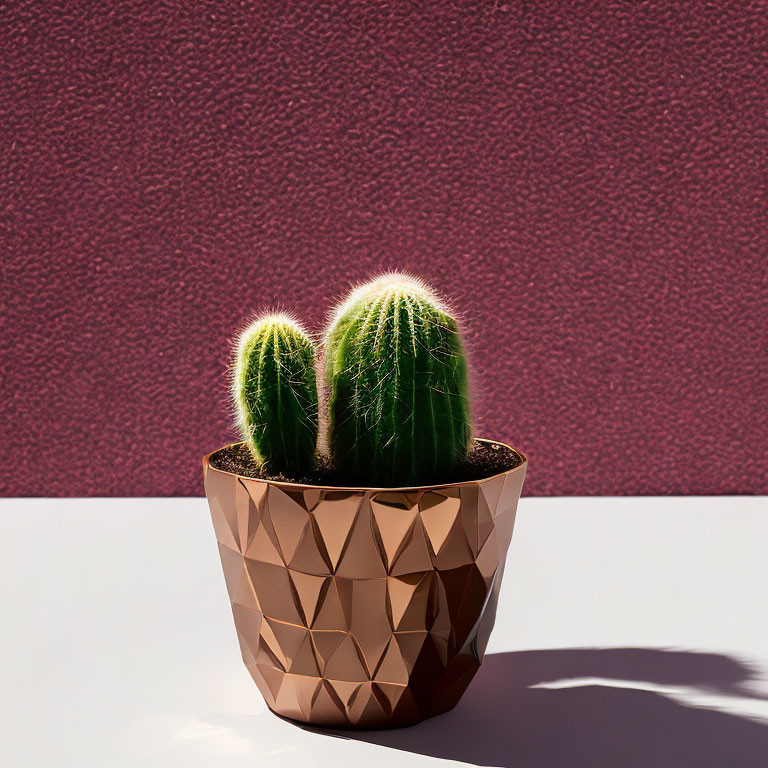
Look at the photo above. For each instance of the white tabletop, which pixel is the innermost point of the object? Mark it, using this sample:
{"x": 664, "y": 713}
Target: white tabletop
{"x": 630, "y": 633}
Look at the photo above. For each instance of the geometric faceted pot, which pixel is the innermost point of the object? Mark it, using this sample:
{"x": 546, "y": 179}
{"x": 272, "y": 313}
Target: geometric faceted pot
{"x": 362, "y": 607}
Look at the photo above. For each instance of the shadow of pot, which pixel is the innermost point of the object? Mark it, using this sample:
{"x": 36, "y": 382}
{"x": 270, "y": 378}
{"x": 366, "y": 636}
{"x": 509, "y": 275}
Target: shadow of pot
{"x": 362, "y": 607}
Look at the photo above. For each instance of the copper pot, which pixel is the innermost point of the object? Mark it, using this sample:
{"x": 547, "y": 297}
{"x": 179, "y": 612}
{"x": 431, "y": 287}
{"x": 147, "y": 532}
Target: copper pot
{"x": 362, "y": 607}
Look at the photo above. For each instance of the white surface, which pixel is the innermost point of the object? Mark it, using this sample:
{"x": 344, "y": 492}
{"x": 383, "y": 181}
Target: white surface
{"x": 118, "y": 647}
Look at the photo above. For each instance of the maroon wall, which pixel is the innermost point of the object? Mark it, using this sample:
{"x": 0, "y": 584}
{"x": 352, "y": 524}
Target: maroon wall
{"x": 587, "y": 182}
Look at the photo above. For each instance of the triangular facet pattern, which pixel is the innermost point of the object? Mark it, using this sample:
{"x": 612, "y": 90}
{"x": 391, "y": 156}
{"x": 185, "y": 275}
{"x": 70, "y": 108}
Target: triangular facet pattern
{"x": 289, "y": 519}
{"x": 334, "y": 516}
{"x": 394, "y": 515}
{"x": 362, "y": 609}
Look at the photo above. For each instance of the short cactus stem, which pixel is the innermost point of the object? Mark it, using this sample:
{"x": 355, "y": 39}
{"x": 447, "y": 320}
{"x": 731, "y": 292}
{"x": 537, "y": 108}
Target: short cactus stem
{"x": 397, "y": 373}
{"x": 275, "y": 394}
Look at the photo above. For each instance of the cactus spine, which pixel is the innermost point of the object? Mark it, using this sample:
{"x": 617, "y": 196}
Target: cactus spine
{"x": 275, "y": 394}
{"x": 398, "y": 404}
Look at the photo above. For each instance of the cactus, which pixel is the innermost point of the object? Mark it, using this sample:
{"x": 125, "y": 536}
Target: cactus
{"x": 275, "y": 394}
{"x": 398, "y": 404}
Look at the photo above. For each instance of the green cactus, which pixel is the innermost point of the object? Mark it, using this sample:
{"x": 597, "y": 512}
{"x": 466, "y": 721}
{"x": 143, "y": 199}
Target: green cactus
{"x": 398, "y": 404}
{"x": 275, "y": 394}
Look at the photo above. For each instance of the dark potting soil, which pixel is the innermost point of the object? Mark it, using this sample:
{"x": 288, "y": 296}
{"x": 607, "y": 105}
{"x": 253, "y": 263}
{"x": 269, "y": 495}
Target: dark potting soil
{"x": 484, "y": 460}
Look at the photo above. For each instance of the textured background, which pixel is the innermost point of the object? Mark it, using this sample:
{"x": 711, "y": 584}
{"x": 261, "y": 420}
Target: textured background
{"x": 587, "y": 182}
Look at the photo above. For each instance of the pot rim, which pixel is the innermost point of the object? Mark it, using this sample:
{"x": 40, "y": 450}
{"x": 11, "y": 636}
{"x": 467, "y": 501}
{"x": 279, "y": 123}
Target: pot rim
{"x": 372, "y": 489}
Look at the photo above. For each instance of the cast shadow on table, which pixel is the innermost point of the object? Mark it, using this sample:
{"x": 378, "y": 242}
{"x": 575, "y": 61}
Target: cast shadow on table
{"x": 504, "y": 721}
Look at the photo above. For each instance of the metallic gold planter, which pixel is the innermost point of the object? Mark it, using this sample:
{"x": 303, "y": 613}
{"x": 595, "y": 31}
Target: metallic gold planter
{"x": 362, "y": 608}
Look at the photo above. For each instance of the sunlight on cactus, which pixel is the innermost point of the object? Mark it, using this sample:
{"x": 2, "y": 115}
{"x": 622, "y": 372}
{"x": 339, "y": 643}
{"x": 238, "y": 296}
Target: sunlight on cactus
{"x": 397, "y": 373}
{"x": 275, "y": 394}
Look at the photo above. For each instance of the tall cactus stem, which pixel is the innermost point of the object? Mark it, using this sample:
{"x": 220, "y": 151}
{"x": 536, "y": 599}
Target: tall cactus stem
{"x": 397, "y": 373}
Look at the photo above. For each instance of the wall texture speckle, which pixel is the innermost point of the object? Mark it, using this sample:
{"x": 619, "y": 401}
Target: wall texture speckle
{"x": 588, "y": 183}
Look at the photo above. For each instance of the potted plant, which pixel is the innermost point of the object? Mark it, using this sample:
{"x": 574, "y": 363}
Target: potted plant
{"x": 364, "y": 577}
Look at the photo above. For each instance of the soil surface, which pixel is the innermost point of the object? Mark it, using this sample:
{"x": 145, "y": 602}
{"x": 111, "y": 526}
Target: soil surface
{"x": 484, "y": 460}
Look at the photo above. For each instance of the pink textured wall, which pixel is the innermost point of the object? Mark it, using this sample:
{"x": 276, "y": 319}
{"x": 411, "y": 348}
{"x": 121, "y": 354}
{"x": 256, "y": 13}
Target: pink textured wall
{"x": 588, "y": 182}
